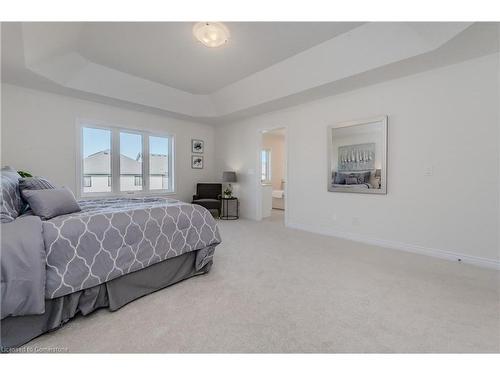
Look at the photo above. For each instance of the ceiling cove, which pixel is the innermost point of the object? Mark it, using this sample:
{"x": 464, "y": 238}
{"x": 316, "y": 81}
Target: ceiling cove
{"x": 263, "y": 67}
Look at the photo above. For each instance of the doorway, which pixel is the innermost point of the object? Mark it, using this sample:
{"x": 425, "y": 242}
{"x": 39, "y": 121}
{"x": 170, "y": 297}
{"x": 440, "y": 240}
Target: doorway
{"x": 273, "y": 175}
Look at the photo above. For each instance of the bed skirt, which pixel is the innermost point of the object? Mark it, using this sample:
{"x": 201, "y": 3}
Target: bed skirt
{"x": 18, "y": 330}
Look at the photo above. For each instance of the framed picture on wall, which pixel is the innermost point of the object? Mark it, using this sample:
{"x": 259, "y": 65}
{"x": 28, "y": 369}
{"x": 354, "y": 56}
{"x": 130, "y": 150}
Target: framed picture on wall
{"x": 197, "y": 162}
{"x": 197, "y": 146}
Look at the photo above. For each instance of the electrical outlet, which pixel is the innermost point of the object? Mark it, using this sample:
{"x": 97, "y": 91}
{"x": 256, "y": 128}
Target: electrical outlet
{"x": 429, "y": 170}
{"x": 355, "y": 221}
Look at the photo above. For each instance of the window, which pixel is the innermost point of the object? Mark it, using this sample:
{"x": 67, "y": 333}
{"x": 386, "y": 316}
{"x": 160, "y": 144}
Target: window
{"x": 130, "y": 161}
{"x": 265, "y": 160}
{"x": 122, "y": 161}
{"x": 96, "y": 144}
{"x": 158, "y": 163}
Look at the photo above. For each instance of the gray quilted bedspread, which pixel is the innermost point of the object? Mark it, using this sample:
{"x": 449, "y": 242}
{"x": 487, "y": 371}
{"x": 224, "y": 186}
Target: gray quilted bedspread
{"x": 113, "y": 237}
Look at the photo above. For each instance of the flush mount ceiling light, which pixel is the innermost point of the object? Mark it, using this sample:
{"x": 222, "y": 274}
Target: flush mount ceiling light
{"x": 211, "y": 34}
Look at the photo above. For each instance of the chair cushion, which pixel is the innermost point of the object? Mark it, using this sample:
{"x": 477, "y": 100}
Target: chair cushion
{"x": 206, "y": 200}
{"x": 209, "y": 204}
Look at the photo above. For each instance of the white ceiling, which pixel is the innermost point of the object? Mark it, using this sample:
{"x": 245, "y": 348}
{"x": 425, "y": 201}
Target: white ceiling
{"x": 159, "y": 67}
{"x": 167, "y": 53}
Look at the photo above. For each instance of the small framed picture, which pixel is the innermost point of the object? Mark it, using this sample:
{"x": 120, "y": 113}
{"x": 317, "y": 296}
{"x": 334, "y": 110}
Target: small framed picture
{"x": 197, "y": 162}
{"x": 197, "y": 146}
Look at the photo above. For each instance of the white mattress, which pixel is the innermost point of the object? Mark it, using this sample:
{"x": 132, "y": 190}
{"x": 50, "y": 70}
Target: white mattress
{"x": 278, "y": 194}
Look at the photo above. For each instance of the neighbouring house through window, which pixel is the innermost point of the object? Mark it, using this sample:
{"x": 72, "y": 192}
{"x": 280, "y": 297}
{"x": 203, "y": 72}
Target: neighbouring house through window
{"x": 116, "y": 161}
{"x": 87, "y": 181}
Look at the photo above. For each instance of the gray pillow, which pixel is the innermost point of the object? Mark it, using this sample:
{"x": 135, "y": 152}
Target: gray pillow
{"x": 32, "y": 183}
{"x": 366, "y": 177}
{"x": 10, "y": 198}
{"x": 351, "y": 181}
{"x": 35, "y": 183}
{"x": 49, "y": 203}
{"x": 339, "y": 178}
{"x": 362, "y": 177}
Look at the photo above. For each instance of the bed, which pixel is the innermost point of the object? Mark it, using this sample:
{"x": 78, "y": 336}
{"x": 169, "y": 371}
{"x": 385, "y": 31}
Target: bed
{"x": 106, "y": 255}
{"x": 355, "y": 180}
{"x": 353, "y": 186}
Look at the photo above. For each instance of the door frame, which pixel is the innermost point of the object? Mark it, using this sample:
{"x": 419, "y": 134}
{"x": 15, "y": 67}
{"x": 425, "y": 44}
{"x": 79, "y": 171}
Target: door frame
{"x": 258, "y": 187}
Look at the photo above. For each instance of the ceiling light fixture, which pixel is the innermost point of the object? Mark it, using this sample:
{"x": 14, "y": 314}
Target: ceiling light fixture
{"x": 211, "y": 34}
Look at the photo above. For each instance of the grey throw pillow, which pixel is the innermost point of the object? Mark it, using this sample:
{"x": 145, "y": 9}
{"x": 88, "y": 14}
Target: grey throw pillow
{"x": 33, "y": 183}
{"x": 339, "y": 178}
{"x": 10, "y": 198}
{"x": 351, "y": 181}
{"x": 366, "y": 177}
{"x": 49, "y": 203}
{"x": 361, "y": 177}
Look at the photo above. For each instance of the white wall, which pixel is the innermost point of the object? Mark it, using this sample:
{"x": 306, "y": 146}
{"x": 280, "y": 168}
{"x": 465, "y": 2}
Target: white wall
{"x": 445, "y": 118}
{"x": 39, "y": 135}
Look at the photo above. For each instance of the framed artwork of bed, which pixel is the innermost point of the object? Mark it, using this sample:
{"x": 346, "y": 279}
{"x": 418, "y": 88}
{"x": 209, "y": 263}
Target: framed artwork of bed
{"x": 357, "y": 156}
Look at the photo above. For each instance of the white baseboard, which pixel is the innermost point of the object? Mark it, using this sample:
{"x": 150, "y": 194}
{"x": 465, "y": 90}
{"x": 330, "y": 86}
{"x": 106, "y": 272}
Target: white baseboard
{"x": 437, "y": 253}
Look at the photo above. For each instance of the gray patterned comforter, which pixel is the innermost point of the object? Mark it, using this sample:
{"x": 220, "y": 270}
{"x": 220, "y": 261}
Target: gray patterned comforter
{"x": 113, "y": 237}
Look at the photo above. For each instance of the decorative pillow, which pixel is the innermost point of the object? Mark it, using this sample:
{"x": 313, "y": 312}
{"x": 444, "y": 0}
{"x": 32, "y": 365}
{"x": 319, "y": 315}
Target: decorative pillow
{"x": 361, "y": 177}
{"x": 35, "y": 183}
{"x": 10, "y": 197}
{"x": 32, "y": 183}
{"x": 49, "y": 203}
{"x": 351, "y": 181}
{"x": 338, "y": 178}
{"x": 366, "y": 177}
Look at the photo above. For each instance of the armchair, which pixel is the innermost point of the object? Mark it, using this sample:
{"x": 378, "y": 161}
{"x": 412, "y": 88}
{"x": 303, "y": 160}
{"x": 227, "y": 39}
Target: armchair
{"x": 208, "y": 195}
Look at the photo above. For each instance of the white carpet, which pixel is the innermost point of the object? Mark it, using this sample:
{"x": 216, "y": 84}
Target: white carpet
{"x": 274, "y": 289}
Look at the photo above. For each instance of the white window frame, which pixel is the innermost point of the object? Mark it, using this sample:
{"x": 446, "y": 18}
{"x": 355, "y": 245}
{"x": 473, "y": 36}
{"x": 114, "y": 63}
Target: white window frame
{"x": 144, "y": 136}
{"x": 115, "y": 161}
{"x": 267, "y": 171}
